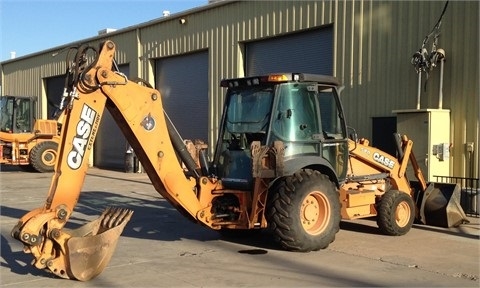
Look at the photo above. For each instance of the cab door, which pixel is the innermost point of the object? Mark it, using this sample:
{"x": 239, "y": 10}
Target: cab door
{"x": 334, "y": 131}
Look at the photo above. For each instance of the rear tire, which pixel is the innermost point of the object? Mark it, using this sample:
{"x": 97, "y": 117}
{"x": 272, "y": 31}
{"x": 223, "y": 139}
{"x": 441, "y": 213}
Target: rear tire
{"x": 304, "y": 211}
{"x": 43, "y": 156}
{"x": 396, "y": 213}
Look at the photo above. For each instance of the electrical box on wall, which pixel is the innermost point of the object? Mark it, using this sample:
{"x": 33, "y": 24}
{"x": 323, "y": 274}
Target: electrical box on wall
{"x": 441, "y": 151}
{"x": 429, "y": 129}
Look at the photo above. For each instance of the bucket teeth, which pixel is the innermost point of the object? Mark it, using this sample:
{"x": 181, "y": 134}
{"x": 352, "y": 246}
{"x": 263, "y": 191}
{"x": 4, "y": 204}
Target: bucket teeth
{"x": 113, "y": 217}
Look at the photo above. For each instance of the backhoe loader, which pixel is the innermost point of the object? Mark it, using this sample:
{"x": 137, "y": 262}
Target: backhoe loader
{"x": 282, "y": 161}
{"x": 26, "y": 141}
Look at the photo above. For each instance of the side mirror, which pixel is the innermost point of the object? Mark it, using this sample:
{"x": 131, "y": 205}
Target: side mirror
{"x": 352, "y": 134}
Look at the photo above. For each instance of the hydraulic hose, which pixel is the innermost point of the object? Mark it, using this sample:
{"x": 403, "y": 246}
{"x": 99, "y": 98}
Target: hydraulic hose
{"x": 180, "y": 147}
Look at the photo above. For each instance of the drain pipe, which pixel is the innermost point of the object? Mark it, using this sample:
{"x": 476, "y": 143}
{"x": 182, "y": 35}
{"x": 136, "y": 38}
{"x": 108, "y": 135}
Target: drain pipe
{"x": 419, "y": 89}
{"x": 441, "y": 58}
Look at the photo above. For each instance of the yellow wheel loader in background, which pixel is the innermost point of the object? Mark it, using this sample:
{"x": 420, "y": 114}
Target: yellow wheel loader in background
{"x": 282, "y": 161}
{"x": 26, "y": 141}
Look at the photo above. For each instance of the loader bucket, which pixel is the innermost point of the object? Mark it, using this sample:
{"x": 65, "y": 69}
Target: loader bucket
{"x": 441, "y": 205}
{"x": 92, "y": 245}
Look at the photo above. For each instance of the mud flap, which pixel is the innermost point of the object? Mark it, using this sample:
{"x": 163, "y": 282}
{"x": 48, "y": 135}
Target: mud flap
{"x": 441, "y": 206}
{"x": 92, "y": 245}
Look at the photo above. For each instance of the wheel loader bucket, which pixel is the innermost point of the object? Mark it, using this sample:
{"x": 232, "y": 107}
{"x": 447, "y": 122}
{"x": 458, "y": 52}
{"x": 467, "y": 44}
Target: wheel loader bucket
{"x": 441, "y": 206}
{"x": 92, "y": 245}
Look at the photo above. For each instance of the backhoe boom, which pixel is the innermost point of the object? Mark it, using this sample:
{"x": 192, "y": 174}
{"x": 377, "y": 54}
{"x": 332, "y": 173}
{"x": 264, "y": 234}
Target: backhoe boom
{"x": 139, "y": 113}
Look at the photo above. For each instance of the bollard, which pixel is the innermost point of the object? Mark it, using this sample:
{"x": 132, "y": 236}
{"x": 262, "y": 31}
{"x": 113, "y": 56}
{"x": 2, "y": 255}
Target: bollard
{"x": 129, "y": 161}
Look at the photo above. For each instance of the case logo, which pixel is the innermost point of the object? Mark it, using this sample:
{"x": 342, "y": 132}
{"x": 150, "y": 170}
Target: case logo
{"x": 80, "y": 141}
{"x": 383, "y": 160}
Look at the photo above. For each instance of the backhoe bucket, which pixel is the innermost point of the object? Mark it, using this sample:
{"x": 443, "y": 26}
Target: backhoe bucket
{"x": 92, "y": 245}
{"x": 441, "y": 205}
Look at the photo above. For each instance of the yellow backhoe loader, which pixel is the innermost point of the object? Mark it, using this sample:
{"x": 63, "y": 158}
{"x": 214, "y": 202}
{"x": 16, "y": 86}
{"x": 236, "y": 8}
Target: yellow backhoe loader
{"x": 26, "y": 141}
{"x": 282, "y": 161}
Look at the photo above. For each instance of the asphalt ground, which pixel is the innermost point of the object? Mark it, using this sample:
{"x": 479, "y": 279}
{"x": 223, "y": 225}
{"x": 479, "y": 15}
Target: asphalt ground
{"x": 161, "y": 248}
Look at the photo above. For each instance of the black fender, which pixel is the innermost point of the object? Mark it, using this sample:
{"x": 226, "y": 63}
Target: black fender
{"x": 297, "y": 163}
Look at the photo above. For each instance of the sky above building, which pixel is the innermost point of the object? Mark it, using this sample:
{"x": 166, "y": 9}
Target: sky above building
{"x": 30, "y": 26}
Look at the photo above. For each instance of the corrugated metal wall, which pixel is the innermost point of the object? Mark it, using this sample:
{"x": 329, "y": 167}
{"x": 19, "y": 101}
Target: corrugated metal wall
{"x": 374, "y": 43}
{"x": 376, "y": 40}
{"x": 223, "y": 30}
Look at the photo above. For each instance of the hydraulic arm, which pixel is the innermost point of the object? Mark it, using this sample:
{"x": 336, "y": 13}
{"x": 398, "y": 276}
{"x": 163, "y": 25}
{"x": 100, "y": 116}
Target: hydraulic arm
{"x": 83, "y": 253}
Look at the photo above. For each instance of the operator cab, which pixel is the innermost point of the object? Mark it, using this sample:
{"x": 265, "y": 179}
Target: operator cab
{"x": 301, "y": 110}
{"x": 17, "y": 114}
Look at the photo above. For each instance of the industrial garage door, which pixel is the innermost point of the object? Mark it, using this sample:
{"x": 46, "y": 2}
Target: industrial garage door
{"x": 110, "y": 144}
{"x": 54, "y": 91}
{"x": 308, "y": 52}
{"x": 183, "y": 84}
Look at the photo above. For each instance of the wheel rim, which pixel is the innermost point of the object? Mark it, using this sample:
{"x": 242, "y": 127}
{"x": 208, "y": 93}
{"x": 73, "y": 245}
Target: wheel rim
{"x": 315, "y": 213}
{"x": 49, "y": 157}
{"x": 402, "y": 214}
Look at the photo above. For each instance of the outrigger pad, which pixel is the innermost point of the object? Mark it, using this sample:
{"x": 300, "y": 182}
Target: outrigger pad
{"x": 441, "y": 205}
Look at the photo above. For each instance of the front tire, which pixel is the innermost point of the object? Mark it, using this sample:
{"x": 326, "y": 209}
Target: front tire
{"x": 396, "y": 213}
{"x": 43, "y": 156}
{"x": 304, "y": 211}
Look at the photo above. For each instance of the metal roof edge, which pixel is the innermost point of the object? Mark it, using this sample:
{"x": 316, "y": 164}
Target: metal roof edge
{"x": 180, "y": 14}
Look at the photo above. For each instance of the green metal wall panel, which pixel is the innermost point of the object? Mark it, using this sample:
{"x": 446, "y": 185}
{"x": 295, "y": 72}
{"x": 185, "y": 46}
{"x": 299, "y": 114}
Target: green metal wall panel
{"x": 374, "y": 42}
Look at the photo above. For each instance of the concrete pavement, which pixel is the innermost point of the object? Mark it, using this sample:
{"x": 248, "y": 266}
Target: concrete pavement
{"x": 161, "y": 248}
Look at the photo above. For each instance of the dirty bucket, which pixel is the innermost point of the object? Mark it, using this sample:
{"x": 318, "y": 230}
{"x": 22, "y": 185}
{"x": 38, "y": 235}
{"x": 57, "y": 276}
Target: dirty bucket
{"x": 91, "y": 246}
{"x": 441, "y": 205}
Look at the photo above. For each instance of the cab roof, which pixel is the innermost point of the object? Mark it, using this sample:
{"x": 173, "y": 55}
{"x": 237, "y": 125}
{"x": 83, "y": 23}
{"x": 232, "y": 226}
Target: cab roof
{"x": 279, "y": 78}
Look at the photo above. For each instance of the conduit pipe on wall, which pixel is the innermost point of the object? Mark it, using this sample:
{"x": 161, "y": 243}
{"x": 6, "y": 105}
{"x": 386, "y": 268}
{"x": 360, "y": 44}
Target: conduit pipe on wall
{"x": 441, "y": 57}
